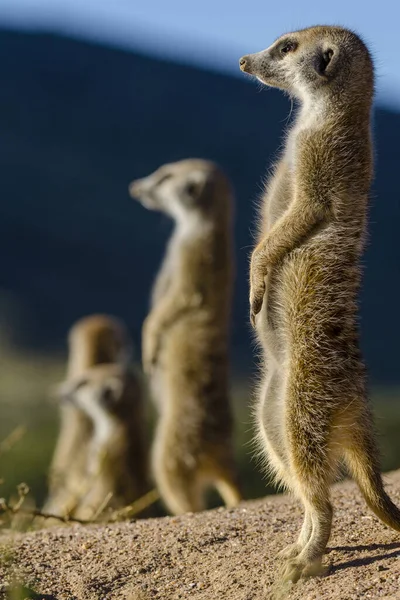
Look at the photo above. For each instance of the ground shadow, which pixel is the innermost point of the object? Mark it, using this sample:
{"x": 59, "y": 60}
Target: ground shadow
{"x": 365, "y": 560}
{"x": 26, "y": 592}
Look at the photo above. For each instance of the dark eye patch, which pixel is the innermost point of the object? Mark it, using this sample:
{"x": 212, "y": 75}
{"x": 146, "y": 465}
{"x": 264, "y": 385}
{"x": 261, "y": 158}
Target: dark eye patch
{"x": 192, "y": 188}
{"x": 287, "y": 46}
{"x": 164, "y": 178}
{"x": 81, "y": 383}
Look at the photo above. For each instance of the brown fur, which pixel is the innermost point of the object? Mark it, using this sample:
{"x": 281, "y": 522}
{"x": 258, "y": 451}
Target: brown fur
{"x": 304, "y": 282}
{"x": 93, "y": 340}
{"x": 185, "y": 336}
{"x": 116, "y": 466}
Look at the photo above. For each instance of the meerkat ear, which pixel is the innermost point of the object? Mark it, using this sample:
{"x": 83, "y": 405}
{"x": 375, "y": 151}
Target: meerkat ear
{"x": 324, "y": 61}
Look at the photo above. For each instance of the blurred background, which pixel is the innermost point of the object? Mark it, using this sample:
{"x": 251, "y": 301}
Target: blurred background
{"x": 96, "y": 93}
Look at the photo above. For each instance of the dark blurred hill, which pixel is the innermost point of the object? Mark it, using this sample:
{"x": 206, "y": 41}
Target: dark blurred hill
{"x": 79, "y": 121}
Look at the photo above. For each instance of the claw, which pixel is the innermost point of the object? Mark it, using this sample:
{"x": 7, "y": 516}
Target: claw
{"x": 256, "y": 303}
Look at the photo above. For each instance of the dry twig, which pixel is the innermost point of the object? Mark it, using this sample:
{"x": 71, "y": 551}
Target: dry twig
{"x": 122, "y": 514}
{"x": 14, "y": 437}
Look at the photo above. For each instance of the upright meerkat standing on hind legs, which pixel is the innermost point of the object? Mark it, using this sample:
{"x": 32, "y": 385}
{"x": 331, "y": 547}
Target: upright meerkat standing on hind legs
{"x": 93, "y": 341}
{"x": 116, "y": 469}
{"x": 185, "y": 336}
{"x": 304, "y": 282}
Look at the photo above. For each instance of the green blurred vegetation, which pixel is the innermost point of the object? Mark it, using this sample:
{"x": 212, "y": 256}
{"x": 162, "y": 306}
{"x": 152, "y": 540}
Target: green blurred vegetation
{"x": 25, "y": 402}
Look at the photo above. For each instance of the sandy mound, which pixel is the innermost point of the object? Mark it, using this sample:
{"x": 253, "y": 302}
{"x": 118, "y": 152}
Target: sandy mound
{"x": 215, "y": 555}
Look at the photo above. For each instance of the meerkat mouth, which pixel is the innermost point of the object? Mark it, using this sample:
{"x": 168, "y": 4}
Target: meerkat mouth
{"x": 144, "y": 197}
{"x": 149, "y": 202}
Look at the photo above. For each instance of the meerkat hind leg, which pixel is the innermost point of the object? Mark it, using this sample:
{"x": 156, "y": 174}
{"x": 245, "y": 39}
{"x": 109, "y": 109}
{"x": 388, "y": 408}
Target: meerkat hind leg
{"x": 313, "y": 460}
{"x": 294, "y": 550}
{"x": 180, "y": 493}
{"x": 229, "y": 492}
{"x": 312, "y": 484}
{"x": 277, "y": 457}
{"x": 304, "y": 558}
{"x": 308, "y": 561}
{"x": 225, "y": 482}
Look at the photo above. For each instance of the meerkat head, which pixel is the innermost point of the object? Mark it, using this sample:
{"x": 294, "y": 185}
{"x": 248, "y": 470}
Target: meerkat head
{"x": 99, "y": 388}
{"x": 313, "y": 60}
{"x": 177, "y": 188}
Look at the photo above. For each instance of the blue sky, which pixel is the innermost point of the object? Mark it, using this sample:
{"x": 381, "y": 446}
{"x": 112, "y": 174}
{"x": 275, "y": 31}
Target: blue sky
{"x": 215, "y": 33}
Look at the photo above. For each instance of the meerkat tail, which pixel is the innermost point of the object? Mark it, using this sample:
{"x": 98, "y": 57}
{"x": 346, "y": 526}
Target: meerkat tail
{"x": 361, "y": 459}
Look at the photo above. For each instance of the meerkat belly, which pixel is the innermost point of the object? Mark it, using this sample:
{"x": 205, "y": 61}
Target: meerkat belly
{"x": 268, "y": 322}
{"x": 271, "y": 407}
{"x": 307, "y": 326}
{"x": 194, "y": 361}
{"x": 193, "y": 336}
{"x": 317, "y": 302}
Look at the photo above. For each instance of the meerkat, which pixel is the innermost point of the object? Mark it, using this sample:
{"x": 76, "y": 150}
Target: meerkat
{"x": 304, "y": 280}
{"x": 116, "y": 458}
{"x": 93, "y": 340}
{"x": 185, "y": 336}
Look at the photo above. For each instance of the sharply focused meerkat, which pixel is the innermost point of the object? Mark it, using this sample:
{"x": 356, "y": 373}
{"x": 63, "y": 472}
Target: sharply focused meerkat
{"x": 116, "y": 455}
{"x": 185, "y": 336}
{"x": 93, "y": 340}
{"x": 304, "y": 282}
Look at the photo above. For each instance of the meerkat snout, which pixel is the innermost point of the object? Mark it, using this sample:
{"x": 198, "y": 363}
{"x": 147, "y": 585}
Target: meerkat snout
{"x": 137, "y": 188}
{"x": 134, "y": 189}
{"x": 243, "y": 63}
{"x": 143, "y": 190}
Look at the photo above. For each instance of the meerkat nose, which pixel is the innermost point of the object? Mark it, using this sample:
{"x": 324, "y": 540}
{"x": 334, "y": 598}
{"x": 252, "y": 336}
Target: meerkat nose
{"x": 243, "y": 63}
{"x": 134, "y": 188}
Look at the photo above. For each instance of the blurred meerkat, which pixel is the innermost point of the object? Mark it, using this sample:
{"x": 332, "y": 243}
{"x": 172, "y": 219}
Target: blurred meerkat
{"x": 93, "y": 340}
{"x": 304, "y": 282}
{"x": 116, "y": 454}
{"x": 185, "y": 336}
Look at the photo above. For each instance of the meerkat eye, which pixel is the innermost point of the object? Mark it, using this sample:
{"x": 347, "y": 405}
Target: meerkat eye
{"x": 81, "y": 383}
{"x": 164, "y": 178}
{"x": 287, "y": 47}
{"x": 192, "y": 188}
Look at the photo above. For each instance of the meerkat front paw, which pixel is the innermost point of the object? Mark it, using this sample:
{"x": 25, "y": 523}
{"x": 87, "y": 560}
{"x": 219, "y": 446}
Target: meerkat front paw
{"x": 257, "y": 291}
{"x": 256, "y": 302}
{"x": 258, "y": 272}
{"x": 150, "y": 348}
